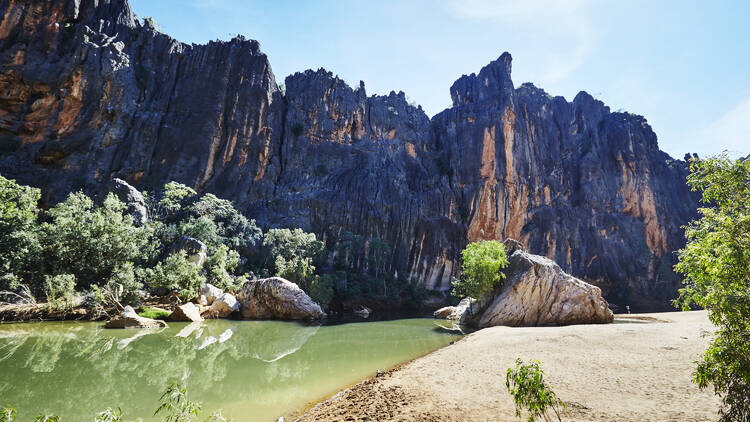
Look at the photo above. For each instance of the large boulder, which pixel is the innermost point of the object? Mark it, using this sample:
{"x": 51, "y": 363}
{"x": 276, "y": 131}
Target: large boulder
{"x": 130, "y": 319}
{"x": 186, "y": 312}
{"x": 276, "y": 298}
{"x": 459, "y": 313}
{"x": 210, "y": 292}
{"x": 538, "y": 292}
{"x": 131, "y": 197}
{"x": 195, "y": 250}
{"x": 222, "y": 306}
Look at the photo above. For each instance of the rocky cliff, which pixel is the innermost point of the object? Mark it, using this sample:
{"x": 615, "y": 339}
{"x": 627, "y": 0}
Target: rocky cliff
{"x": 89, "y": 92}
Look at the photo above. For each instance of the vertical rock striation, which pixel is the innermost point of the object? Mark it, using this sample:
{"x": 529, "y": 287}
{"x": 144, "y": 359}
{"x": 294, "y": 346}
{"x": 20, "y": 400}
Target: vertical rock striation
{"x": 90, "y": 93}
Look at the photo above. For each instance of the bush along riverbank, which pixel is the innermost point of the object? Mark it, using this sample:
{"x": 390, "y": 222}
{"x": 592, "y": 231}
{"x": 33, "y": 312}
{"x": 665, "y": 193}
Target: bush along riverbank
{"x": 89, "y": 257}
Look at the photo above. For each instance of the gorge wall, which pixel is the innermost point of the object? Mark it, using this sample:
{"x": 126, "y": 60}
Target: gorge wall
{"x": 88, "y": 92}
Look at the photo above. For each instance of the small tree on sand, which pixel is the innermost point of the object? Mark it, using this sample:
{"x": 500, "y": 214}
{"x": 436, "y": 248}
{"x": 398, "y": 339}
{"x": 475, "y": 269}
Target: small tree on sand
{"x": 531, "y": 393}
{"x": 480, "y": 270}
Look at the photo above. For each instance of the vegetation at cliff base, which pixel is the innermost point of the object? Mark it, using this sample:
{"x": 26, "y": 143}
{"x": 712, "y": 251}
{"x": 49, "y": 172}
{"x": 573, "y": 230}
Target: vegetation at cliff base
{"x": 531, "y": 393}
{"x": 87, "y": 251}
{"x": 481, "y": 267}
{"x": 716, "y": 265}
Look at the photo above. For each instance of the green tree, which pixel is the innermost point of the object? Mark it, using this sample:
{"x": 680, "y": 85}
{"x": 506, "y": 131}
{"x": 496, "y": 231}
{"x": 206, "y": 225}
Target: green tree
{"x": 321, "y": 289}
{"x": 60, "y": 290}
{"x": 20, "y": 248}
{"x": 7, "y": 414}
{"x": 716, "y": 266}
{"x": 177, "y": 274}
{"x": 109, "y": 415}
{"x": 293, "y": 253}
{"x": 531, "y": 392}
{"x": 176, "y": 405}
{"x": 220, "y": 266}
{"x": 91, "y": 242}
{"x": 480, "y": 269}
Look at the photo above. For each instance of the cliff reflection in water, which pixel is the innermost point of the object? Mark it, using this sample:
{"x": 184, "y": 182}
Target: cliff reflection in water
{"x": 252, "y": 370}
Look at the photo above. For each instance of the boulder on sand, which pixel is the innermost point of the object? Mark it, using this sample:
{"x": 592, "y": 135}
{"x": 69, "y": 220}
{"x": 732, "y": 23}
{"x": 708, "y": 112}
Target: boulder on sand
{"x": 459, "y": 313}
{"x": 538, "y": 292}
{"x": 222, "y": 306}
{"x": 186, "y": 312}
{"x": 276, "y": 298}
{"x": 130, "y": 319}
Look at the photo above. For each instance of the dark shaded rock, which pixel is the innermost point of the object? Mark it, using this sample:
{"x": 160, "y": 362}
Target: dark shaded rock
{"x": 131, "y": 197}
{"x": 276, "y": 298}
{"x": 195, "y": 250}
{"x": 92, "y": 94}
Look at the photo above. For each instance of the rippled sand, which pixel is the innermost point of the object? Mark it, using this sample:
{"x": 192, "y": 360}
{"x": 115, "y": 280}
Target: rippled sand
{"x": 637, "y": 370}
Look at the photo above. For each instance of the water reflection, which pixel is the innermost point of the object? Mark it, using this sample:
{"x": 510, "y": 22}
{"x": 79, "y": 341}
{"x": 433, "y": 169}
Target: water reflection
{"x": 253, "y": 370}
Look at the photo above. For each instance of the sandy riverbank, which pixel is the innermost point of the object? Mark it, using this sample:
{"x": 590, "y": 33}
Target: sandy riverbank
{"x": 624, "y": 371}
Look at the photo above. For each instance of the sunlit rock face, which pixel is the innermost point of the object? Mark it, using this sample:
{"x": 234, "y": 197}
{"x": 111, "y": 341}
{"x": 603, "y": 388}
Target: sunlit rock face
{"x": 91, "y": 93}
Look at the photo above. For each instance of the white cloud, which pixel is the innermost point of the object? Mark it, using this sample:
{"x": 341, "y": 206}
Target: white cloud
{"x": 731, "y": 131}
{"x": 568, "y": 33}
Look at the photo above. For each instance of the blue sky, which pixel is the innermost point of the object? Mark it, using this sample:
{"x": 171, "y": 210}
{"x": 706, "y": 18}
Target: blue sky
{"x": 684, "y": 65}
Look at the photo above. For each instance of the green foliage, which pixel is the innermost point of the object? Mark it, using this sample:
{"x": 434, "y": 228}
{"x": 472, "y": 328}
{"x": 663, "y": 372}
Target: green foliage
{"x": 154, "y": 313}
{"x": 109, "y": 415}
{"x": 176, "y": 406}
{"x": 173, "y": 198}
{"x": 125, "y": 282}
{"x": 480, "y": 269}
{"x": 91, "y": 242}
{"x": 294, "y": 253}
{"x": 20, "y": 249}
{"x": 716, "y": 266}
{"x": 321, "y": 289}
{"x": 47, "y": 418}
{"x": 297, "y": 129}
{"x": 219, "y": 266}
{"x": 60, "y": 290}
{"x": 176, "y": 274}
{"x": 7, "y": 413}
{"x": 530, "y": 391}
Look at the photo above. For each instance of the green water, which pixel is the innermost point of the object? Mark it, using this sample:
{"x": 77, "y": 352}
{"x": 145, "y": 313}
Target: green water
{"x": 250, "y": 370}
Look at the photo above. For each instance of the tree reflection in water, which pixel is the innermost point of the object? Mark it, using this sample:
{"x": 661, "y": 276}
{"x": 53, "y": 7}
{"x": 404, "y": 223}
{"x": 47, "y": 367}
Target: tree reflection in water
{"x": 250, "y": 369}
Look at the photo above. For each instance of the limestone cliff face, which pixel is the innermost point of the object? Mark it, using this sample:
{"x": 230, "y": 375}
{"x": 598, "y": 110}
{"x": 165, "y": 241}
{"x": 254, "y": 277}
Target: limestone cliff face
{"x": 89, "y": 93}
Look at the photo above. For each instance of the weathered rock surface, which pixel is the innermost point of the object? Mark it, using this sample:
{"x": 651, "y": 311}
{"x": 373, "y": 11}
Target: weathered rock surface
{"x": 195, "y": 250}
{"x": 186, "y": 312}
{"x": 224, "y": 305}
{"x": 538, "y": 292}
{"x": 459, "y": 313}
{"x": 210, "y": 292}
{"x": 133, "y": 199}
{"x": 276, "y": 298}
{"x": 130, "y": 319}
{"x": 92, "y": 93}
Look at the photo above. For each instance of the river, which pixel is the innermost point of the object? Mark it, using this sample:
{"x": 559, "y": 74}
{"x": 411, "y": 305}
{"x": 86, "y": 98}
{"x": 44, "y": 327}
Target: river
{"x": 250, "y": 370}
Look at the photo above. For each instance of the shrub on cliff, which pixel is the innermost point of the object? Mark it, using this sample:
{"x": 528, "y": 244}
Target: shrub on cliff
{"x": 716, "y": 265}
{"x": 480, "y": 269}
